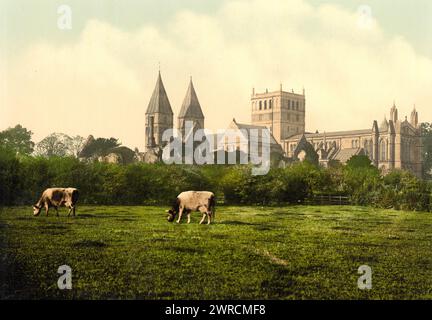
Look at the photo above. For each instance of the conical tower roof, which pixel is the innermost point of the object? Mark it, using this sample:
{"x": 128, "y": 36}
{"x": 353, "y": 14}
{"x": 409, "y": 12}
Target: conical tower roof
{"x": 159, "y": 102}
{"x": 191, "y": 107}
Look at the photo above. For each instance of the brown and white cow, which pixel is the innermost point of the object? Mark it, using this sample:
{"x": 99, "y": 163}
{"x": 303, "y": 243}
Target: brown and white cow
{"x": 186, "y": 202}
{"x": 56, "y": 197}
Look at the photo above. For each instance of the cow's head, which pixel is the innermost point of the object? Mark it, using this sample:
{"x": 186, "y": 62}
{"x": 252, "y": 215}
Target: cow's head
{"x": 171, "y": 215}
{"x": 36, "y": 210}
{"x": 173, "y": 211}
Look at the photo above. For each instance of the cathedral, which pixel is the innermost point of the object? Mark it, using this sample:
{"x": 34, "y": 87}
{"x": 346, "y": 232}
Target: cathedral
{"x": 160, "y": 117}
{"x": 392, "y": 144}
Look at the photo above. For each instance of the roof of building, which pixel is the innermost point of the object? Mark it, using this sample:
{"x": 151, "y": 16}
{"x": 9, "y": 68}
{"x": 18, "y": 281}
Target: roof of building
{"x": 159, "y": 102}
{"x": 331, "y": 134}
{"x": 343, "y": 155}
{"x": 191, "y": 107}
{"x": 248, "y": 127}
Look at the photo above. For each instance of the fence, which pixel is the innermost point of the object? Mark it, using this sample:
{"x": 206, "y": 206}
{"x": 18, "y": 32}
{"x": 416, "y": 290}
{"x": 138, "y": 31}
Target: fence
{"x": 328, "y": 200}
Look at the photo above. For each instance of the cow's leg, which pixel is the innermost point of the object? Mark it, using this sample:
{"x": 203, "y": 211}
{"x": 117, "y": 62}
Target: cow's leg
{"x": 209, "y": 217}
{"x": 56, "y": 209}
{"x": 188, "y": 216}
{"x": 70, "y": 210}
{"x": 73, "y": 210}
{"x": 180, "y": 214}
{"x": 46, "y": 209}
{"x": 203, "y": 218}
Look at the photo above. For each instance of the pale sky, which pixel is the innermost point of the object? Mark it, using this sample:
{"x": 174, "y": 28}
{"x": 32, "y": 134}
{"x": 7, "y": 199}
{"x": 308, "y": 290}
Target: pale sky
{"x": 97, "y": 78}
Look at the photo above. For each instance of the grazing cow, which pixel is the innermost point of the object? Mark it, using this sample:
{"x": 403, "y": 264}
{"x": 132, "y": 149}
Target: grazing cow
{"x": 202, "y": 201}
{"x": 56, "y": 197}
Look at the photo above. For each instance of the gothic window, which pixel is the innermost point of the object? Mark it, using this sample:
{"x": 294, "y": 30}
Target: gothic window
{"x": 260, "y": 105}
{"x": 289, "y": 104}
{"x": 297, "y": 105}
{"x": 383, "y": 150}
{"x": 270, "y": 104}
{"x": 265, "y": 104}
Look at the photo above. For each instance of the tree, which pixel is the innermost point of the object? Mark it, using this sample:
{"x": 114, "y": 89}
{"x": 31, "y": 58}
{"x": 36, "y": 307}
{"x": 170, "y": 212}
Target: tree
{"x": 357, "y": 162}
{"x": 17, "y": 139}
{"x": 76, "y": 145}
{"x": 426, "y": 131}
{"x": 98, "y": 147}
{"x": 56, "y": 144}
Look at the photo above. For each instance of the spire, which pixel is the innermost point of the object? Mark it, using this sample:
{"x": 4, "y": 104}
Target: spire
{"x": 191, "y": 107}
{"x": 159, "y": 102}
{"x": 414, "y": 117}
{"x": 384, "y": 124}
{"x": 394, "y": 113}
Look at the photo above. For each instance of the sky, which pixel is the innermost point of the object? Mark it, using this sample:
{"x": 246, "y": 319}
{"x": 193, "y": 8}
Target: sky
{"x": 354, "y": 59}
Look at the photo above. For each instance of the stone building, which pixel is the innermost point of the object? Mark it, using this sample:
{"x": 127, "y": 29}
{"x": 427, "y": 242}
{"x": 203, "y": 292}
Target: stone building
{"x": 392, "y": 144}
{"x": 282, "y": 112}
{"x": 159, "y": 116}
{"x": 190, "y": 111}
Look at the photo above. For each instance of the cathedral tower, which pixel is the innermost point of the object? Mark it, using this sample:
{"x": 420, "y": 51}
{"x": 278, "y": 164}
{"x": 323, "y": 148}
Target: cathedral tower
{"x": 190, "y": 111}
{"x": 282, "y": 112}
{"x": 159, "y": 115}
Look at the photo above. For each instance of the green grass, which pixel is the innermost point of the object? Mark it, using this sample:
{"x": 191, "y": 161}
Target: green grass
{"x": 301, "y": 252}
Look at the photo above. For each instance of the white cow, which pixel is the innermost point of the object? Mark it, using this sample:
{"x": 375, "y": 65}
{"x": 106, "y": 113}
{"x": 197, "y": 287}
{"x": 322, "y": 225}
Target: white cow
{"x": 186, "y": 202}
{"x": 56, "y": 197}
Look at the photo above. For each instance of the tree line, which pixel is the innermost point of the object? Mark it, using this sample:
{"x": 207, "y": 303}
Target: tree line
{"x": 23, "y": 178}
{"x": 24, "y": 175}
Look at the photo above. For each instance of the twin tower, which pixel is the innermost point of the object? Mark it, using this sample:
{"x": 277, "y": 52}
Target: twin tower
{"x": 159, "y": 115}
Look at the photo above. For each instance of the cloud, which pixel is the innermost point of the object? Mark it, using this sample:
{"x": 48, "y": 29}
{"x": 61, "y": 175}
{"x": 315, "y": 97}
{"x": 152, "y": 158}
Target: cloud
{"x": 101, "y": 83}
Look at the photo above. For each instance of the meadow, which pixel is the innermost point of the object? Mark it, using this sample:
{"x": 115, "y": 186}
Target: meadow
{"x": 291, "y": 252}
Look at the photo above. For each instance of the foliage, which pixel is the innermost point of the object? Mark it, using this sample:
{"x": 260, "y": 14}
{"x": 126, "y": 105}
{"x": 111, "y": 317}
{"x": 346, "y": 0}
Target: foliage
{"x": 17, "y": 139}
{"x": 23, "y": 178}
{"x": 59, "y": 145}
{"x": 99, "y": 147}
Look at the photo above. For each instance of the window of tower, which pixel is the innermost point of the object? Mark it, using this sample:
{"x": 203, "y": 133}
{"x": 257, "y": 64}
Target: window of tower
{"x": 289, "y": 104}
{"x": 270, "y": 104}
{"x": 383, "y": 147}
{"x": 260, "y": 105}
{"x": 265, "y": 104}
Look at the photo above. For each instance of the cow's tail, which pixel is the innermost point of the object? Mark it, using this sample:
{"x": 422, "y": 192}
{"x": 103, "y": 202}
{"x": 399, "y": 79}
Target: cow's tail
{"x": 212, "y": 206}
{"x": 75, "y": 196}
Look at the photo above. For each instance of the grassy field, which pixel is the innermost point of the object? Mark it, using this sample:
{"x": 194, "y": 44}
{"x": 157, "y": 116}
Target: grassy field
{"x": 300, "y": 252}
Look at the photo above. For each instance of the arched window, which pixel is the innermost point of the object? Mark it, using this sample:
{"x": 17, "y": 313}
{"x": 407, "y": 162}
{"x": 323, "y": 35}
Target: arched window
{"x": 260, "y": 105}
{"x": 270, "y": 104}
{"x": 265, "y": 104}
{"x": 383, "y": 150}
